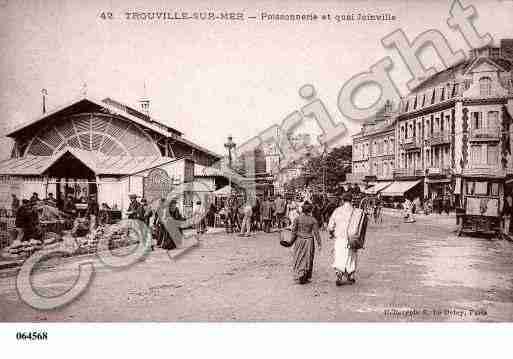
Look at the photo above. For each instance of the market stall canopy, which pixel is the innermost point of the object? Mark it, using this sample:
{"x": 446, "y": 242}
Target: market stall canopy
{"x": 399, "y": 188}
{"x": 225, "y": 191}
{"x": 95, "y": 161}
{"x": 378, "y": 187}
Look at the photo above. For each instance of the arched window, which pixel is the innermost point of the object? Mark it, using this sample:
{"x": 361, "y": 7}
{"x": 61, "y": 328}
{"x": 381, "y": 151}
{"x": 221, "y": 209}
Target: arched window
{"x": 485, "y": 86}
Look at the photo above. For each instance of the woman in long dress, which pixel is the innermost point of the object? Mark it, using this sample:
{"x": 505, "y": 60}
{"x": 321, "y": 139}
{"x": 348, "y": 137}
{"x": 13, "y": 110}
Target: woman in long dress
{"x": 305, "y": 230}
{"x": 345, "y": 258}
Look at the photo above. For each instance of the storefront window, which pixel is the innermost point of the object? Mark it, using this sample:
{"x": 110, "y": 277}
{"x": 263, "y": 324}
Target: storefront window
{"x": 495, "y": 189}
{"x": 470, "y": 187}
{"x": 481, "y": 188}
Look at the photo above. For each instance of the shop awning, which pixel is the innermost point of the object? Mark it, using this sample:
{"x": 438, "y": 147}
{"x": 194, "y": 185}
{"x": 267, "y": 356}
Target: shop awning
{"x": 226, "y": 191}
{"x": 399, "y": 188}
{"x": 377, "y": 187}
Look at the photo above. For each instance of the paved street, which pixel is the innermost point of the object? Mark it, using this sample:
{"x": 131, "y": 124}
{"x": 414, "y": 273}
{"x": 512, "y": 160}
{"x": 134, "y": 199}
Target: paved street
{"x": 421, "y": 267}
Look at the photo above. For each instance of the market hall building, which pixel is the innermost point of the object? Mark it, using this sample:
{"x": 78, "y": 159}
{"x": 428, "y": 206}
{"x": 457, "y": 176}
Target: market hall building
{"x": 104, "y": 148}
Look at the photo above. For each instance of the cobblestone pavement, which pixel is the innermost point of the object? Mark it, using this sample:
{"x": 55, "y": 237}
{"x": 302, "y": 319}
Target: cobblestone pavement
{"x": 408, "y": 272}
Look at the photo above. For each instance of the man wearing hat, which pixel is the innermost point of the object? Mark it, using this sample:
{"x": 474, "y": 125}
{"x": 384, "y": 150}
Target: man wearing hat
{"x": 134, "y": 209}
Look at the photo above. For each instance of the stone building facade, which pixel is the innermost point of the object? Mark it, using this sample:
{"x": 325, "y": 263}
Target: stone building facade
{"x": 452, "y": 131}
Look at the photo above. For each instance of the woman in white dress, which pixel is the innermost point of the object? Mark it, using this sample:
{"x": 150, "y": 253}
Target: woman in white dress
{"x": 345, "y": 260}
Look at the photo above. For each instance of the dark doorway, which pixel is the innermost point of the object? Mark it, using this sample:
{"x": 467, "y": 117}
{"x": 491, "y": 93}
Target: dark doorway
{"x": 73, "y": 178}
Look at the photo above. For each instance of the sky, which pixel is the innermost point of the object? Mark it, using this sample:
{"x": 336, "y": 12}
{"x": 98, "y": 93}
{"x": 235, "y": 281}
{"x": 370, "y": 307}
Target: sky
{"x": 209, "y": 79}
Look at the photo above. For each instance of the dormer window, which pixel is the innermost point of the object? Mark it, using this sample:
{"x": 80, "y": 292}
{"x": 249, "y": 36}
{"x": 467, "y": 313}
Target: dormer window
{"x": 442, "y": 96}
{"x": 415, "y": 103}
{"x": 433, "y": 97}
{"x": 485, "y": 86}
{"x": 424, "y": 100}
{"x": 406, "y": 106}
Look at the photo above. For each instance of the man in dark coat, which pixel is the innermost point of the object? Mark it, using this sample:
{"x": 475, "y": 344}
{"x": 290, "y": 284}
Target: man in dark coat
{"x": 233, "y": 215}
{"x": 27, "y": 220}
{"x": 266, "y": 212}
{"x": 15, "y": 204}
{"x": 171, "y": 240}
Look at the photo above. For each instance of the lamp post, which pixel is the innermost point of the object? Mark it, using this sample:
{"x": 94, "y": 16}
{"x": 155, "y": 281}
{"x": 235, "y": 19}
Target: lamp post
{"x": 230, "y": 145}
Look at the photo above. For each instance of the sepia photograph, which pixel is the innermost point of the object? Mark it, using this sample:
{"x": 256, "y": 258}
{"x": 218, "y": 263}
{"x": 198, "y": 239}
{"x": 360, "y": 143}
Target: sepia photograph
{"x": 255, "y": 161}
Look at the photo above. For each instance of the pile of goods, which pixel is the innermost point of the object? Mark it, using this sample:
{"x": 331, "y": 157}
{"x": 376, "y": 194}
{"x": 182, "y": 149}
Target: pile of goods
{"x": 83, "y": 234}
{"x": 119, "y": 237}
{"x": 22, "y": 250}
{"x": 116, "y": 237}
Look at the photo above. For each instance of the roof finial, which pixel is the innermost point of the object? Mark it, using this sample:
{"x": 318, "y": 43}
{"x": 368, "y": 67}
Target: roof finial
{"x": 44, "y": 92}
{"x": 83, "y": 90}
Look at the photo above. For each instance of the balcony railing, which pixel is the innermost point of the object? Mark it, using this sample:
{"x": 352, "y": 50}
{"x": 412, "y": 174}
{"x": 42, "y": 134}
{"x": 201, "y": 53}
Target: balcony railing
{"x": 408, "y": 172}
{"x": 485, "y": 134}
{"x": 411, "y": 143}
{"x": 439, "y": 171}
{"x": 484, "y": 171}
{"x": 439, "y": 138}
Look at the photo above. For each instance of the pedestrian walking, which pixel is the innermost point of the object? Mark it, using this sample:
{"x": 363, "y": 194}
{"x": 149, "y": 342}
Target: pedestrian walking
{"x": 247, "y": 210}
{"x": 408, "y": 211}
{"x": 255, "y": 220}
{"x": 266, "y": 215}
{"x": 233, "y": 215}
{"x": 293, "y": 212}
{"x": 345, "y": 257}
{"x": 305, "y": 232}
{"x": 167, "y": 217}
{"x": 281, "y": 209}
{"x": 134, "y": 208}
{"x": 199, "y": 215}
{"x": 328, "y": 210}
{"x": 507, "y": 211}
{"x": 15, "y": 205}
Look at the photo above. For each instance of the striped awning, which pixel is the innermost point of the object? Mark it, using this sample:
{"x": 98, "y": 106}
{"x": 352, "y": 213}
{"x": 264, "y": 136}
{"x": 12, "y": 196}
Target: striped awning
{"x": 378, "y": 187}
{"x": 399, "y": 188}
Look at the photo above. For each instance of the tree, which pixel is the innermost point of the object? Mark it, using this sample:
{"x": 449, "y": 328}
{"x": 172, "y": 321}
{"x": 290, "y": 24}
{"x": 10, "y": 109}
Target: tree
{"x": 326, "y": 170}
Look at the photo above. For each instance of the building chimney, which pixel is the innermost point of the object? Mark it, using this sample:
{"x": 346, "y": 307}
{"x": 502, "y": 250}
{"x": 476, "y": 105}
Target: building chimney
{"x": 507, "y": 48}
{"x": 145, "y": 106}
{"x": 144, "y": 102}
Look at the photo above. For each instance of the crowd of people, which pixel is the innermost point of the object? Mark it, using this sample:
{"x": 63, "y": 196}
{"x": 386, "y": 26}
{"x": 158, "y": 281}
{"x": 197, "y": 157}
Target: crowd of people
{"x": 75, "y": 214}
{"x": 266, "y": 213}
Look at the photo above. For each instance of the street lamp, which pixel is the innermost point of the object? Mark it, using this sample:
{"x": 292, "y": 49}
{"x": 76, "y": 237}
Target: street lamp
{"x": 230, "y": 145}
